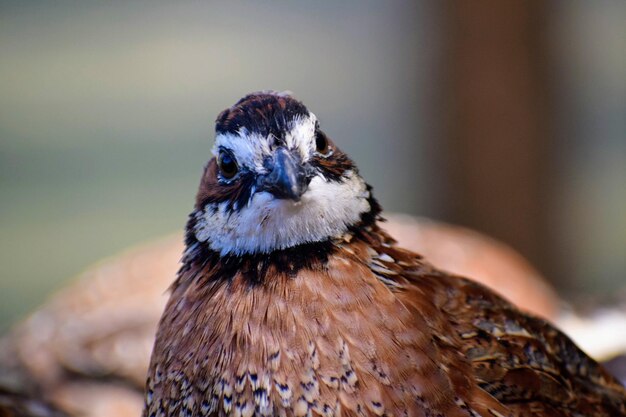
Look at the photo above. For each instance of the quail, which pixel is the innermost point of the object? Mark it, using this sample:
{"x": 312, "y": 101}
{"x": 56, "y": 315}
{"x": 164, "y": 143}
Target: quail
{"x": 292, "y": 301}
{"x": 87, "y": 349}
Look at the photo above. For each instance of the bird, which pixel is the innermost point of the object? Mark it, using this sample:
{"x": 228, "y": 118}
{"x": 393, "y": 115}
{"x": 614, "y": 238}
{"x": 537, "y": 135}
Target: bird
{"x": 86, "y": 351}
{"x": 292, "y": 301}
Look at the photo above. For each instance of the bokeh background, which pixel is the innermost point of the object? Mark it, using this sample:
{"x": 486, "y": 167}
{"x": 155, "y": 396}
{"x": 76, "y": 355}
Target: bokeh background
{"x": 508, "y": 117}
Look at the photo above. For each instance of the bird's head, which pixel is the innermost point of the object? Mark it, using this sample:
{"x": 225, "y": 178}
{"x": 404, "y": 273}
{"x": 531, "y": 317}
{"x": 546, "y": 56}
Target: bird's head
{"x": 276, "y": 181}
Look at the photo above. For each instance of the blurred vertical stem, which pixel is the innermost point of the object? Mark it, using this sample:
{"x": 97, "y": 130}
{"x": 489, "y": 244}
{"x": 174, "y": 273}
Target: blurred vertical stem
{"x": 497, "y": 121}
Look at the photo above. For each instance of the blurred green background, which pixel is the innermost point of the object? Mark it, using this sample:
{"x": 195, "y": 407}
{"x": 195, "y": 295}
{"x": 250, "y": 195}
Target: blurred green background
{"x": 107, "y": 109}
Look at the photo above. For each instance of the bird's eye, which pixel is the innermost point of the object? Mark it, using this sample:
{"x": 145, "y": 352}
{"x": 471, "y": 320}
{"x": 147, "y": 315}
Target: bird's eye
{"x": 321, "y": 143}
{"x": 228, "y": 165}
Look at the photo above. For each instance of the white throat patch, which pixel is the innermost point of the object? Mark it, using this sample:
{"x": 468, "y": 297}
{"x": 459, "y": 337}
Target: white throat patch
{"x": 266, "y": 224}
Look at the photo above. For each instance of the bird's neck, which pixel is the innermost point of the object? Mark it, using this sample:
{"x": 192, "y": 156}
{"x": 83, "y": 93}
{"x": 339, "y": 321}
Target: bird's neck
{"x": 254, "y": 267}
{"x": 257, "y": 268}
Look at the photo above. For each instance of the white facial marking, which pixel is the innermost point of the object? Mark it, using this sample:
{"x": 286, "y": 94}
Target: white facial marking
{"x": 251, "y": 149}
{"x": 326, "y": 210}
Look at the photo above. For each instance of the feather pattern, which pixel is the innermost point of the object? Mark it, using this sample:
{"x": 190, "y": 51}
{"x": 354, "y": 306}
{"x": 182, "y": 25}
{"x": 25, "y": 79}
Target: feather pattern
{"x": 308, "y": 308}
{"x": 372, "y": 331}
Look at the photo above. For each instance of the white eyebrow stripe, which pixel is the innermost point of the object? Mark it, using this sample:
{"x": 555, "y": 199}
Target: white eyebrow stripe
{"x": 251, "y": 149}
{"x": 248, "y": 149}
{"x": 301, "y": 136}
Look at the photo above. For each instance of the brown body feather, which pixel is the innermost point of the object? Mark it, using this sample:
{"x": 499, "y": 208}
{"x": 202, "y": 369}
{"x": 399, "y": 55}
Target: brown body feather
{"x": 342, "y": 322}
{"x": 372, "y": 330}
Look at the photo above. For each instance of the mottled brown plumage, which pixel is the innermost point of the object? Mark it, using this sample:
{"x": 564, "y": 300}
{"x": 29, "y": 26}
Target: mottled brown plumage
{"x": 375, "y": 329}
{"x": 87, "y": 349}
{"x": 354, "y": 326}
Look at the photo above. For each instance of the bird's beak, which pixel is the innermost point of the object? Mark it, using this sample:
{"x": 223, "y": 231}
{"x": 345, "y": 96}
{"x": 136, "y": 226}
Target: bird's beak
{"x": 287, "y": 177}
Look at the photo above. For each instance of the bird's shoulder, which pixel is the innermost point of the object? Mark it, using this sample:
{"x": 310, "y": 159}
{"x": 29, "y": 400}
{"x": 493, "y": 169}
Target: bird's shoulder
{"x": 521, "y": 360}
{"x": 366, "y": 327}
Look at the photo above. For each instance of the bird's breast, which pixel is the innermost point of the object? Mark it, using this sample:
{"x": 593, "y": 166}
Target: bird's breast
{"x": 328, "y": 341}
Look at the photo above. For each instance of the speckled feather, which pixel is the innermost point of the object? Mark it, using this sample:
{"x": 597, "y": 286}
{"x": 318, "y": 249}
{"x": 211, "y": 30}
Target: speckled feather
{"x": 373, "y": 331}
{"x": 345, "y": 325}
